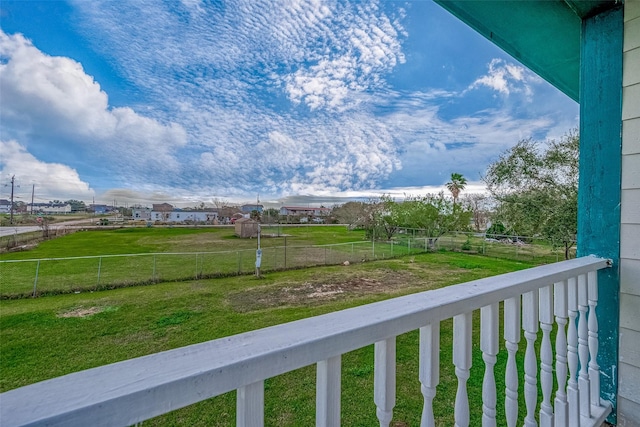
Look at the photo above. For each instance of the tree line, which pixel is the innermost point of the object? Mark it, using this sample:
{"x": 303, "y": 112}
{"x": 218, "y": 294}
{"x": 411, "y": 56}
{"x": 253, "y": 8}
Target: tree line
{"x": 532, "y": 191}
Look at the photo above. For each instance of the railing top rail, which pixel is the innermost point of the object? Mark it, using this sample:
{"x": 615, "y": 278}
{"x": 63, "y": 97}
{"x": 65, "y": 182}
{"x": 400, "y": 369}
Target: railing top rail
{"x": 158, "y": 383}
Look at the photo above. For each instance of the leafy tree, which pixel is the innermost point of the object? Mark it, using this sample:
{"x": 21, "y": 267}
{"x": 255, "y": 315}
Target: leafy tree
{"x": 271, "y": 215}
{"x": 386, "y": 217}
{"x": 255, "y": 214}
{"x": 480, "y": 206}
{"x": 354, "y": 214}
{"x": 497, "y": 231}
{"x": 435, "y": 214}
{"x": 457, "y": 184}
{"x": 537, "y": 189}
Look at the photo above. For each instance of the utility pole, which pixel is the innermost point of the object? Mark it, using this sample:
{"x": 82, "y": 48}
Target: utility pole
{"x": 13, "y": 179}
{"x": 259, "y": 249}
{"x": 33, "y": 191}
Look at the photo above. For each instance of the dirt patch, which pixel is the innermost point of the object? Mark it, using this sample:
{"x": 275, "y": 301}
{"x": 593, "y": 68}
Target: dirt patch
{"x": 331, "y": 287}
{"x": 81, "y": 312}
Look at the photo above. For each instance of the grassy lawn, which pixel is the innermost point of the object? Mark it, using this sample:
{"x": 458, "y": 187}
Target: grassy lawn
{"x": 180, "y": 239}
{"x": 165, "y": 254}
{"x": 55, "y": 335}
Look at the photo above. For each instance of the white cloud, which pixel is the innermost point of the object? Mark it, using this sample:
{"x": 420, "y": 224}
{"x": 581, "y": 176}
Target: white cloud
{"x": 507, "y": 78}
{"x": 51, "y": 180}
{"x": 364, "y": 46}
{"x": 54, "y": 97}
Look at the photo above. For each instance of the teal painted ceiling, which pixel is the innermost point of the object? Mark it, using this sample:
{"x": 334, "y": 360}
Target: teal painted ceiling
{"x": 542, "y": 34}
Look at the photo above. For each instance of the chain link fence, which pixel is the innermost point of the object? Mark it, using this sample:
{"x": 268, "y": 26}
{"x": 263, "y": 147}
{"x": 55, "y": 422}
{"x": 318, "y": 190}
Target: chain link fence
{"x": 33, "y": 277}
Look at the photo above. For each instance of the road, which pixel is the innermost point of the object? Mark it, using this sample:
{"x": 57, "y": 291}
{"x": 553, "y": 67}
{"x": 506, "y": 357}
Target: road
{"x": 21, "y": 229}
{"x": 11, "y": 230}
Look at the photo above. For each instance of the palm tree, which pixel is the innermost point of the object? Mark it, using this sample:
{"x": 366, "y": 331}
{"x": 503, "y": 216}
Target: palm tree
{"x": 457, "y": 184}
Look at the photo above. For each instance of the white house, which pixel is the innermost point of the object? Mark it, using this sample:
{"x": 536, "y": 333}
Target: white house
{"x": 192, "y": 216}
{"x": 5, "y": 206}
{"x": 54, "y": 208}
{"x": 143, "y": 214}
{"x": 180, "y": 216}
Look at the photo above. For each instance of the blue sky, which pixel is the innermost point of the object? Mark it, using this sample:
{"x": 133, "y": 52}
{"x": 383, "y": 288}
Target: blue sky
{"x": 299, "y": 100}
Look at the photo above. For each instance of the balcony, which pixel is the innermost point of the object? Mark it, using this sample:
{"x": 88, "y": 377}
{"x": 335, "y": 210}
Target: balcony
{"x": 558, "y": 299}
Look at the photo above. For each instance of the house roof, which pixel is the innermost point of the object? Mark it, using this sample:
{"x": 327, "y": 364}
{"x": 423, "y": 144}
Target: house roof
{"x": 162, "y": 207}
{"x": 544, "y": 35}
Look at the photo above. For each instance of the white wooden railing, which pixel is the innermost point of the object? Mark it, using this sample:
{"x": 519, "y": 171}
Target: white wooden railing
{"x": 131, "y": 391}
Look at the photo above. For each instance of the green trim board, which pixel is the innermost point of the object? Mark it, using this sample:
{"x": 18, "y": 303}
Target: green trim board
{"x": 544, "y": 35}
{"x": 600, "y": 176}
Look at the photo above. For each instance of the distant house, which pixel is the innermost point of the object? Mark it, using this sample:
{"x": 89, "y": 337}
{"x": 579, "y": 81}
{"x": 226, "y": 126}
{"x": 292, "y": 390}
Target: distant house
{"x": 178, "y": 216}
{"x": 51, "y": 208}
{"x": 165, "y": 212}
{"x": 5, "y": 206}
{"x": 143, "y": 214}
{"x": 161, "y": 211}
{"x": 100, "y": 209}
{"x": 304, "y": 211}
{"x": 251, "y": 207}
{"x": 246, "y": 228}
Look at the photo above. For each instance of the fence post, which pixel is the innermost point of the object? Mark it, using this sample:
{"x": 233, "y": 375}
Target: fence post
{"x": 153, "y": 274}
{"x": 35, "y": 282}
{"x": 285, "y": 252}
{"x": 239, "y": 262}
{"x": 392, "y": 249}
{"x": 99, "y": 268}
{"x": 373, "y": 243}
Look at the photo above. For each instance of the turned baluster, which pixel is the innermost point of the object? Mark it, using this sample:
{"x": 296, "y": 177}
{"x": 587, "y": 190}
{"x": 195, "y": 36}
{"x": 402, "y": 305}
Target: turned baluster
{"x": 512, "y": 338}
{"x": 429, "y": 371}
{"x": 250, "y": 405}
{"x": 384, "y": 381}
{"x": 584, "y": 384}
{"x": 489, "y": 346}
{"x": 572, "y": 353}
{"x": 328, "y": 384}
{"x": 594, "y": 368}
{"x": 546, "y": 355}
{"x": 462, "y": 361}
{"x": 530, "y": 326}
{"x": 560, "y": 310}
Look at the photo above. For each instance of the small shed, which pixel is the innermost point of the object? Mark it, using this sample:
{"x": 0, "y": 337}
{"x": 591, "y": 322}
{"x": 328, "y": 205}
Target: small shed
{"x": 246, "y": 228}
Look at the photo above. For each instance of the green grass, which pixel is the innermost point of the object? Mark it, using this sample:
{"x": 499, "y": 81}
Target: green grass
{"x": 164, "y": 254}
{"x": 178, "y": 239}
{"x": 38, "y": 342}
{"x": 179, "y": 253}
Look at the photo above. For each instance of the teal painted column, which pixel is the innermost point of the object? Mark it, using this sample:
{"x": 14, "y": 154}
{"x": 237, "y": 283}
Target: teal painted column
{"x": 600, "y": 171}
